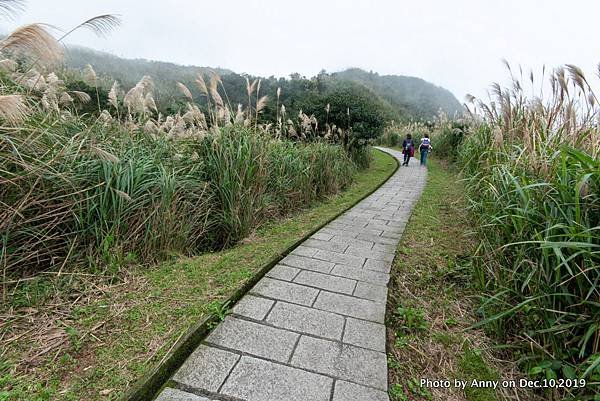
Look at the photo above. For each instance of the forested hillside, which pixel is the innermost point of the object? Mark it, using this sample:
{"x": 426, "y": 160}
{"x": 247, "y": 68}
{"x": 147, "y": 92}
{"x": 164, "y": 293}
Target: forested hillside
{"x": 409, "y": 95}
{"x": 402, "y": 98}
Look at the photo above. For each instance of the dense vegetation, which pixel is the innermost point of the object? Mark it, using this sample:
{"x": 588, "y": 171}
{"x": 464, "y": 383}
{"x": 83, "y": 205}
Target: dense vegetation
{"x": 105, "y": 193}
{"x": 101, "y": 176}
{"x": 532, "y": 174}
{"x": 402, "y": 98}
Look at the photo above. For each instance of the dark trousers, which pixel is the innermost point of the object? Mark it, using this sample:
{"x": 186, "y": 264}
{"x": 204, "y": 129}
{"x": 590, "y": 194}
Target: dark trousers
{"x": 406, "y": 156}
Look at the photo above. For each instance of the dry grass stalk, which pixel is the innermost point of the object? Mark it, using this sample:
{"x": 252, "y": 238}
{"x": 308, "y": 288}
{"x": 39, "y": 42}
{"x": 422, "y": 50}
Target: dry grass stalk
{"x": 8, "y": 65}
{"x": 113, "y": 95}
{"x": 149, "y": 103}
{"x": 214, "y": 93}
{"x": 185, "y": 91}
{"x": 101, "y": 25}
{"x": 13, "y": 108}
{"x": 82, "y": 97}
{"x": 34, "y": 42}
{"x": 201, "y": 84}
{"x": 261, "y": 103}
{"x": 90, "y": 75}
{"x": 104, "y": 155}
{"x": 65, "y": 99}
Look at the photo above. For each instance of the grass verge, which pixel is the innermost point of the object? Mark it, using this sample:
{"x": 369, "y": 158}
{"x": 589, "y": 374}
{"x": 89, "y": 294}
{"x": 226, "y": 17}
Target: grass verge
{"x": 77, "y": 336}
{"x": 430, "y": 303}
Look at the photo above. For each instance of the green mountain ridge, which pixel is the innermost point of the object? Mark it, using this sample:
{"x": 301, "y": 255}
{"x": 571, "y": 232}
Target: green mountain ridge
{"x": 413, "y": 95}
{"x": 404, "y": 98}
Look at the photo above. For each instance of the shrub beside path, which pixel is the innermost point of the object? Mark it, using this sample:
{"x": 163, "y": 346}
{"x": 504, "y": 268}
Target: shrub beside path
{"x": 313, "y": 328}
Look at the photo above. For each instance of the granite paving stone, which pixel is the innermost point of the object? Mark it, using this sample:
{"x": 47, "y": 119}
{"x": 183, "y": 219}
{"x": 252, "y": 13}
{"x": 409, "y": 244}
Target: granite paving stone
{"x": 371, "y": 254}
{"x": 206, "y": 368}
{"x": 282, "y": 272}
{"x": 355, "y": 243}
{"x": 290, "y": 292}
{"x": 370, "y": 291}
{"x": 342, "y": 232}
{"x": 306, "y": 251}
{"x": 378, "y": 265}
{"x": 171, "y": 394}
{"x": 258, "y": 380}
{"x": 385, "y": 248}
{"x": 321, "y": 236}
{"x": 342, "y": 361}
{"x": 339, "y": 225}
{"x": 253, "y": 307}
{"x": 325, "y": 245}
{"x": 365, "y": 334}
{"x": 308, "y": 263}
{"x": 370, "y": 276}
{"x": 326, "y": 281}
{"x": 378, "y": 239}
{"x": 351, "y": 306}
{"x": 307, "y": 320}
{"x": 391, "y": 235}
{"x": 348, "y": 260}
{"x": 254, "y": 338}
{"x": 346, "y": 391}
{"x": 383, "y": 227}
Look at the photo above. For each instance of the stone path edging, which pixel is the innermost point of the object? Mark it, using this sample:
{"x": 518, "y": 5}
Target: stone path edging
{"x": 313, "y": 328}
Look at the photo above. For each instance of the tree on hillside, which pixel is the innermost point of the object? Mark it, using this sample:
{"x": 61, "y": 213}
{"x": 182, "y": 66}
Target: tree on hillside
{"x": 351, "y": 106}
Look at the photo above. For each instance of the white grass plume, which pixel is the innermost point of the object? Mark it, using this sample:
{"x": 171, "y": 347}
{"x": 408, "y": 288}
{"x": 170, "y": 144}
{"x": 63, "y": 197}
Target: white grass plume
{"x": 90, "y": 75}
{"x": 201, "y": 84}
{"x": 13, "y": 108}
{"x": 82, "y": 97}
{"x": 185, "y": 91}
{"x": 261, "y": 103}
{"x": 113, "y": 95}
{"x": 34, "y": 42}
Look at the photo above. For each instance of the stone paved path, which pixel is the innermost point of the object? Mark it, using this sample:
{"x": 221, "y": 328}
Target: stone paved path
{"x": 313, "y": 328}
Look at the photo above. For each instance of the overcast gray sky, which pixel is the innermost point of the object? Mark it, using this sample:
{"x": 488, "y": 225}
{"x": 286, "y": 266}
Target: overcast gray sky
{"x": 455, "y": 44}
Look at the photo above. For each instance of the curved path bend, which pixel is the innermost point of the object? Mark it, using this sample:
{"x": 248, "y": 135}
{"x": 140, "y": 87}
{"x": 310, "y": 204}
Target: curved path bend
{"x": 313, "y": 328}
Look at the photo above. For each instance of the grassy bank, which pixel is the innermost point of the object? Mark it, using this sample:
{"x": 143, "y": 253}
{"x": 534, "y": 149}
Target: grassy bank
{"x": 431, "y": 303}
{"x": 88, "y": 337}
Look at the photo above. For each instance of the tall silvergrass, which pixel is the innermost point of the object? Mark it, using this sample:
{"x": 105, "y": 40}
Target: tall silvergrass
{"x": 100, "y": 193}
{"x": 236, "y": 169}
{"x": 533, "y": 180}
{"x": 68, "y": 189}
{"x": 301, "y": 173}
{"x": 130, "y": 183}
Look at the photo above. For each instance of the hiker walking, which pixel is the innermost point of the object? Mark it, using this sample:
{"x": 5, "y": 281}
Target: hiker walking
{"x": 424, "y": 149}
{"x": 408, "y": 148}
